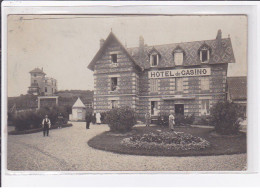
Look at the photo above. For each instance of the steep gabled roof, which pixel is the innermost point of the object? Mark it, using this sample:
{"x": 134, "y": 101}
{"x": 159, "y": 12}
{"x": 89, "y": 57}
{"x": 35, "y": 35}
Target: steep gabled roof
{"x": 37, "y": 70}
{"x": 221, "y": 52}
{"x": 78, "y": 104}
{"x": 111, "y": 37}
{"x": 237, "y": 87}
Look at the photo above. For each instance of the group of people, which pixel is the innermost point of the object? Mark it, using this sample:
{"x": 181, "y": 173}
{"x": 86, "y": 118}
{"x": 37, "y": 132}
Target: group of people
{"x": 171, "y": 120}
{"x": 94, "y": 118}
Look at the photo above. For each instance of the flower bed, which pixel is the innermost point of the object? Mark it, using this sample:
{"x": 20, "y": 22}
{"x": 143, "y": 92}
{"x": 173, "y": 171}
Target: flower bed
{"x": 166, "y": 140}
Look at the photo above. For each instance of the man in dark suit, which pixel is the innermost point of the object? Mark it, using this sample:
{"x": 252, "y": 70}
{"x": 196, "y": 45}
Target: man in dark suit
{"x": 88, "y": 119}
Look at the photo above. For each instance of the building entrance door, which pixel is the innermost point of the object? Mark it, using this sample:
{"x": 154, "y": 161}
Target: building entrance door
{"x": 179, "y": 109}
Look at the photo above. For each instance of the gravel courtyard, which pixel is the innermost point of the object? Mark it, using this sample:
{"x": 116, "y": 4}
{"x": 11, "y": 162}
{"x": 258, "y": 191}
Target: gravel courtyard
{"x": 67, "y": 150}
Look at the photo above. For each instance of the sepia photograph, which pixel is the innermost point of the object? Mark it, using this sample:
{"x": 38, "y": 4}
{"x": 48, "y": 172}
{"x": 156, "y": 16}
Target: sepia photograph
{"x": 120, "y": 93}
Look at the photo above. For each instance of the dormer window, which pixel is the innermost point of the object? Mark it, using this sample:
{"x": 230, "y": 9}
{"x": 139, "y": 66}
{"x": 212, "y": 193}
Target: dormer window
{"x": 204, "y": 53}
{"x": 154, "y": 59}
{"x": 178, "y": 58}
{"x": 154, "y": 56}
{"x": 114, "y": 58}
{"x": 204, "y": 56}
{"x": 178, "y": 55}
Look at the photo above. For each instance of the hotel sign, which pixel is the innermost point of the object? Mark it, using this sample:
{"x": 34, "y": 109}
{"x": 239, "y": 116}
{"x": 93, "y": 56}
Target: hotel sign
{"x": 179, "y": 73}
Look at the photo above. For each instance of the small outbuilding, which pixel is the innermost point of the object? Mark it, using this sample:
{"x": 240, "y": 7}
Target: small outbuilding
{"x": 78, "y": 111}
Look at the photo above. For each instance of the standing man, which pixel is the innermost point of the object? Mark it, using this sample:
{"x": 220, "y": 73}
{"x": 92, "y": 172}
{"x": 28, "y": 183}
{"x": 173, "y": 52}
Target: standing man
{"x": 46, "y": 124}
{"x": 147, "y": 119}
{"x": 60, "y": 121}
{"x": 88, "y": 119}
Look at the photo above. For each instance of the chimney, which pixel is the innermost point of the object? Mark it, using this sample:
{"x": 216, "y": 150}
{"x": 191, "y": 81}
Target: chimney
{"x": 141, "y": 46}
{"x": 141, "y": 42}
{"x": 219, "y": 35}
{"x": 102, "y": 41}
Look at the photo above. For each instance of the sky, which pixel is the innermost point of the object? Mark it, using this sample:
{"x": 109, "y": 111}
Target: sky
{"x": 64, "y": 45}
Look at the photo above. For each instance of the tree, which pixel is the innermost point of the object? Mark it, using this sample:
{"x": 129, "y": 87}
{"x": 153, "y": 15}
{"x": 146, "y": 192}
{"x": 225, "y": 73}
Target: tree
{"x": 226, "y": 117}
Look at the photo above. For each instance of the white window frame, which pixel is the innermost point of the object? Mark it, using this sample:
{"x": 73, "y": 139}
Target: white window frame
{"x": 204, "y": 83}
{"x": 204, "y": 49}
{"x": 156, "y": 106}
{"x": 152, "y": 61}
{"x": 114, "y": 104}
{"x": 177, "y": 88}
{"x": 112, "y": 58}
{"x": 111, "y": 84}
{"x": 203, "y": 109}
{"x": 175, "y": 54}
{"x": 154, "y": 85}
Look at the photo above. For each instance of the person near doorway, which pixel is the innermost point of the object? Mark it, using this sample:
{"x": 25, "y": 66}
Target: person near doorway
{"x": 46, "y": 124}
{"x": 171, "y": 121}
{"x": 88, "y": 119}
{"x": 98, "y": 118}
{"x": 93, "y": 120}
{"x": 147, "y": 119}
{"x": 60, "y": 121}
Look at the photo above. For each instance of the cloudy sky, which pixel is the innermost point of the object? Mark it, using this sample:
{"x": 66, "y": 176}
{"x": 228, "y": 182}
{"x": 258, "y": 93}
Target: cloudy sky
{"x": 65, "y": 45}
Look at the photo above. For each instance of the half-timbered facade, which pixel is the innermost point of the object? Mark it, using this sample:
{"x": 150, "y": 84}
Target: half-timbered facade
{"x": 185, "y": 78}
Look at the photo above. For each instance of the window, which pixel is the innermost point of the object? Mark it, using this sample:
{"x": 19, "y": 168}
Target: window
{"x": 204, "y": 82}
{"x": 179, "y": 84}
{"x": 114, "y": 58}
{"x": 205, "y": 107}
{"x": 34, "y": 75}
{"x": 154, "y": 108}
{"x": 35, "y": 81}
{"x": 114, "y": 104}
{"x": 46, "y": 89}
{"x": 154, "y": 59}
{"x": 114, "y": 85}
{"x": 178, "y": 58}
{"x": 204, "y": 55}
{"x": 154, "y": 85}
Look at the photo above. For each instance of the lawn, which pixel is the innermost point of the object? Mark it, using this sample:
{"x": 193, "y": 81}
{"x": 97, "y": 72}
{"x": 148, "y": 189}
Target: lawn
{"x": 219, "y": 145}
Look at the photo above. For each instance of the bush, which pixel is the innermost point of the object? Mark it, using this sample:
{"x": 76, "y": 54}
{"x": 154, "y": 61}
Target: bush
{"x": 179, "y": 119}
{"x": 121, "y": 119}
{"x": 33, "y": 119}
{"x": 163, "y": 120}
{"x": 103, "y": 116}
{"x": 184, "y": 120}
{"x": 226, "y": 117}
{"x": 204, "y": 120}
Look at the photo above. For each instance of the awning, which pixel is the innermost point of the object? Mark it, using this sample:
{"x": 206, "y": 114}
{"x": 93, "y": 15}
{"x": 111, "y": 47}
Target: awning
{"x": 178, "y": 97}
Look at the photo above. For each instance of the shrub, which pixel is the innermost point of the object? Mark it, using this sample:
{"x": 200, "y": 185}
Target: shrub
{"x": 183, "y": 120}
{"x": 121, "y": 119}
{"x": 225, "y": 117}
{"x": 204, "y": 120}
{"x": 32, "y": 119}
{"x": 179, "y": 119}
{"x": 163, "y": 120}
{"x": 103, "y": 116}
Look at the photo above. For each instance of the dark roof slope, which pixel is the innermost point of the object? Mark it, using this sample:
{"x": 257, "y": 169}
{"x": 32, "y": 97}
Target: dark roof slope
{"x": 111, "y": 37}
{"x": 221, "y": 52}
{"x": 237, "y": 87}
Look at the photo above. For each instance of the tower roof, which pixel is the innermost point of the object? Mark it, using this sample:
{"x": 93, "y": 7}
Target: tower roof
{"x": 78, "y": 104}
{"x": 37, "y": 70}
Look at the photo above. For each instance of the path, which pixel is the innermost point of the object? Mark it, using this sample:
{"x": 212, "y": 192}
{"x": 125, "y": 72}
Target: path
{"x": 67, "y": 150}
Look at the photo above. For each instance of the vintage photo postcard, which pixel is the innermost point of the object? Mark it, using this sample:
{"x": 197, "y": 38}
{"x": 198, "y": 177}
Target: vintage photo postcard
{"x": 127, "y": 93}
